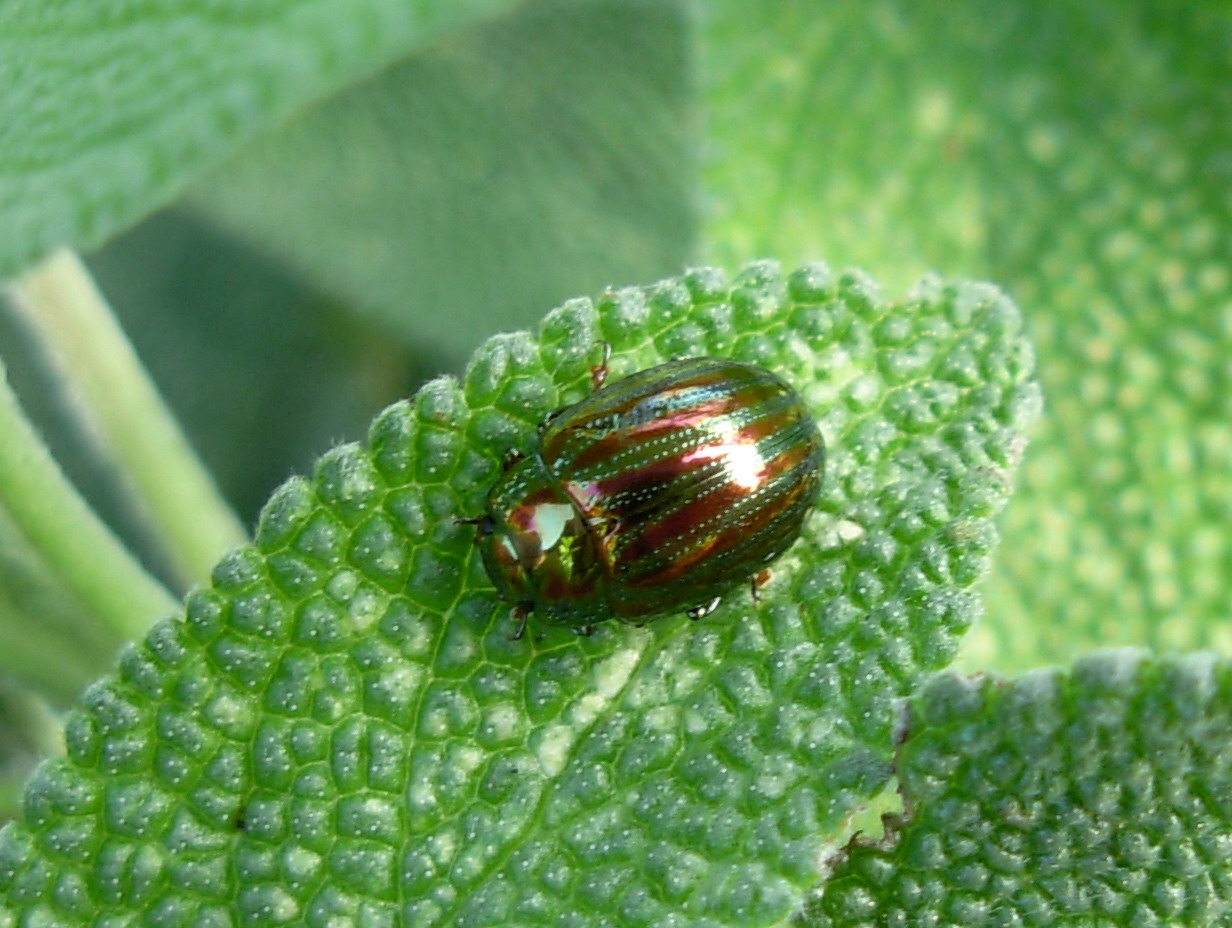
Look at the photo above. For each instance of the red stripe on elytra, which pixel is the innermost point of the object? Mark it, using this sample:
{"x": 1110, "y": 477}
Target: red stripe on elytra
{"x": 666, "y": 419}
{"x": 737, "y": 523}
{"x": 677, "y": 467}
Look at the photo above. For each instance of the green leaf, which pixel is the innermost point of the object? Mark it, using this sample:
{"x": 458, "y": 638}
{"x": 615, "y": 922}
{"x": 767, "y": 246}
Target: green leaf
{"x": 1076, "y": 153}
{"x": 341, "y": 726}
{"x": 1097, "y": 796}
{"x": 110, "y": 108}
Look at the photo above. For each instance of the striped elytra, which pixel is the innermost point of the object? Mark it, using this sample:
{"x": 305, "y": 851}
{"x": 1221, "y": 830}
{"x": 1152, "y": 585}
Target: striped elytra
{"x": 655, "y": 494}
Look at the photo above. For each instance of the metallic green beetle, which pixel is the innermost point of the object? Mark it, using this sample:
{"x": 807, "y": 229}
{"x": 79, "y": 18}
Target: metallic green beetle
{"x": 655, "y": 494}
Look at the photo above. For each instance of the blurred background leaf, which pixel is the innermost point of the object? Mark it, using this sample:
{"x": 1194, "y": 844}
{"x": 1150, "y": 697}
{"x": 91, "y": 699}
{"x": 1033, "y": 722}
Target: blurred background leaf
{"x": 488, "y": 179}
{"x": 1080, "y": 155}
{"x": 337, "y": 263}
{"x": 111, "y": 108}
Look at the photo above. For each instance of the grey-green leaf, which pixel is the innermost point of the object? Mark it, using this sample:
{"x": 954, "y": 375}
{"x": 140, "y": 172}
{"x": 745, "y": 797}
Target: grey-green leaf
{"x": 110, "y": 108}
{"x": 342, "y": 726}
{"x": 1096, "y": 796}
{"x": 543, "y": 154}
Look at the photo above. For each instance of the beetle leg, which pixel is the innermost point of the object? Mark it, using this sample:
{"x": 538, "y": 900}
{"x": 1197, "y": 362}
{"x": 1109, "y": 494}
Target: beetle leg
{"x": 511, "y": 457}
{"x": 521, "y": 614}
{"x": 483, "y": 524}
{"x": 704, "y": 609}
{"x": 584, "y": 630}
{"x": 758, "y": 580}
{"x": 598, "y": 372}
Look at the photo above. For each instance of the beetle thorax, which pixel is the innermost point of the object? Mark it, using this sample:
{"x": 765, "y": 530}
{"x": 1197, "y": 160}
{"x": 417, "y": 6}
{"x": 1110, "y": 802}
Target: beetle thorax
{"x": 540, "y": 549}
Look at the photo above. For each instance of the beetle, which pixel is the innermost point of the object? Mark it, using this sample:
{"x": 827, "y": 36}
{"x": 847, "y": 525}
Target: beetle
{"x": 655, "y": 494}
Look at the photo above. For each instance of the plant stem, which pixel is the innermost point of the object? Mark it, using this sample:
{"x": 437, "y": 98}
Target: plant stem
{"x": 175, "y": 491}
{"x": 53, "y": 644}
{"x": 65, "y": 532}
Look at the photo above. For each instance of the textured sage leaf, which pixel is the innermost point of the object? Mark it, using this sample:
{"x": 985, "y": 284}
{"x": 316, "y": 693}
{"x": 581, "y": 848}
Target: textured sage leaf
{"x": 110, "y": 108}
{"x": 341, "y": 726}
{"x": 1100, "y": 795}
{"x": 1076, "y": 153}
{"x": 540, "y": 155}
